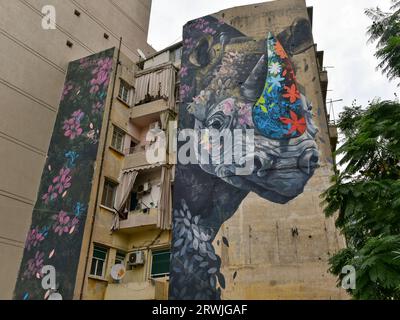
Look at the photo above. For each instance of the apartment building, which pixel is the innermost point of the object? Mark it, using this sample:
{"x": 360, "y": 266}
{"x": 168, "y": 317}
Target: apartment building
{"x": 34, "y": 65}
{"x": 115, "y": 203}
{"x": 141, "y": 232}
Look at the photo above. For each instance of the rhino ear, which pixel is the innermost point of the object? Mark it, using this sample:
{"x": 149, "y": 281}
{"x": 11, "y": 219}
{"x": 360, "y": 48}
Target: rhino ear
{"x": 279, "y": 112}
{"x": 254, "y": 84}
{"x": 197, "y": 110}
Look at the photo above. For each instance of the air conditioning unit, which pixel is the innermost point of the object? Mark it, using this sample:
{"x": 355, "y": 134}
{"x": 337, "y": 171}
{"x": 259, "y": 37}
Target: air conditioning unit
{"x": 145, "y": 187}
{"x": 136, "y": 258}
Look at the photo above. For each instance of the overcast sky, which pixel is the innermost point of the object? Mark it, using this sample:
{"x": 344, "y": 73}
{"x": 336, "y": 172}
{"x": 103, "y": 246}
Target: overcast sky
{"x": 339, "y": 29}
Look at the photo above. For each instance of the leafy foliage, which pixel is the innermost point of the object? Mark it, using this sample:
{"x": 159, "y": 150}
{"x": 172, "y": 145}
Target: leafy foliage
{"x": 366, "y": 197}
{"x": 385, "y": 29}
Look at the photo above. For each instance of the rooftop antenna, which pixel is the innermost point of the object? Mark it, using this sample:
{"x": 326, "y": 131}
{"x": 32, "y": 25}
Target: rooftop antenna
{"x": 332, "y": 111}
{"x": 328, "y": 67}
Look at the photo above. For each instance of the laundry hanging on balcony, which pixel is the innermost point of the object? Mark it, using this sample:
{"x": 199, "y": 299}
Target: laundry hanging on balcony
{"x": 126, "y": 181}
{"x": 154, "y": 84}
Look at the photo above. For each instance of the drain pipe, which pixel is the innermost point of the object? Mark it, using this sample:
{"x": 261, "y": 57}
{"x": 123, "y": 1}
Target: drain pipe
{"x": 101, "y": 169}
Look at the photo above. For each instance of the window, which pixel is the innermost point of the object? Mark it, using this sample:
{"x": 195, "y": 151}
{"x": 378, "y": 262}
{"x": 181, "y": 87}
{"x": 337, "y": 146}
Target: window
{"x": 118, "y": 139}
{"x": 133, "y": 203}
{"x": 125, "y": 91}
{"x": 160, "y": 265}
{"x": 109, "y": 194}
{"x": 98, "y": 261}
{"x": 120, "y": 258}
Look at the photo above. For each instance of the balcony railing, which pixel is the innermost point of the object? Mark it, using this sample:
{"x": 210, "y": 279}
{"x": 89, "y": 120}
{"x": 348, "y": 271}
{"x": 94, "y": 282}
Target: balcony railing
{"x": 145, "y": 290}
{"x": 140, "y": 112}
{"x": 137, "y": 219}
{"x": 136, "y": 157}
{"x": 135, "y": 149}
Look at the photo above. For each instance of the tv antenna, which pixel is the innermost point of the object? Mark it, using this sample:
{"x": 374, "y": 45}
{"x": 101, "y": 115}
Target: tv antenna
{"x": 331, "y": 113}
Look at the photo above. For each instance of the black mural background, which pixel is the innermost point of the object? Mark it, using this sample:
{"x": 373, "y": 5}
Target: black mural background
{"x": 59, "y": 216}
{"x": 219, "y": 61}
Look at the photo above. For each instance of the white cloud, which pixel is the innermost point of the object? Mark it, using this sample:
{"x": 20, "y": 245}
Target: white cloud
{"x": 339, "y": 29}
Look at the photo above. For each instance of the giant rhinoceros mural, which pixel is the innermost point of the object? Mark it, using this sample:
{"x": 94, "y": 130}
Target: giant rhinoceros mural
{"x": 233, "y": 82}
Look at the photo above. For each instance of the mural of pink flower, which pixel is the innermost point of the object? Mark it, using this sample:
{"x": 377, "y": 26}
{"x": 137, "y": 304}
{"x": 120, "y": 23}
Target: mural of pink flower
{"x": 101, "y": 74}
{"x": 228, "y": 106}
{"x": 35, "y": 265}
{"x": 72, "y": 131}
{"x": 61, "y": 224}
{"x": 245, "y": 114}
{"x": 201, "y": 24}
{"x": 34, "y": 238}
{"x": 72, "y": 127}
{"x": 78, "y": 115}
{"x": 94, "y": 89}
{"x": 67, "y": 88}
{"x": 97, "y": 108}
{"x": 185, "y": 89}
{"x": 50, "y": 195}
{"x": 188, "y": 43}
{"x": 60, "y": 184}
{"x": 84, "y": 63}
{"x": 74, "y": 223}
{"x": 184, "y": 71}
{"x": 63, "y": 181}
{"x": 209, "y": 30}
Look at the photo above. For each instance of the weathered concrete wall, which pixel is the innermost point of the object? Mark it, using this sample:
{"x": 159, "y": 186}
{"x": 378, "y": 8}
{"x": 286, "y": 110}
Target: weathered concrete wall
{"x": 265, "y": 260}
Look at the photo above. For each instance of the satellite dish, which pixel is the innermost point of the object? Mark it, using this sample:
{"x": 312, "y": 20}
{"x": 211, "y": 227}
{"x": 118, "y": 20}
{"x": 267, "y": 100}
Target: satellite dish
{"x": 141, "y": 54}
{"x": 55, "y": 296}
{"x": 118, "y": 271}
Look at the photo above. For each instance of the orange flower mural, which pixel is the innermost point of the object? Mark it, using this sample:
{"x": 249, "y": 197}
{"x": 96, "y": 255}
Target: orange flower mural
{"x": 292, "y": 93}
{"x": 280, "y": 51}
{"x": 296, "y": 124}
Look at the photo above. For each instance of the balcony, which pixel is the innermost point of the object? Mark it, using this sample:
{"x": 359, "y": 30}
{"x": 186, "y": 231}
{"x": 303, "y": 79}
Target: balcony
{"x": 146, "y": 290}
{"x": 146, "y": 113}
{"x": 137, "y": 221}
{"x": 323, "y": 76}
{"x": 136, "y": 158}
{"x": 333, "y": 135}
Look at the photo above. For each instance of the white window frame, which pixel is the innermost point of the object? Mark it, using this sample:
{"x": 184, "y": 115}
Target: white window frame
{"x": 125, "y": 92}
{"x": 103, "y": 200}
{"x": 119, "y": 255}
{"x": 96, "y": 261}
{"x": 118, "y": 133}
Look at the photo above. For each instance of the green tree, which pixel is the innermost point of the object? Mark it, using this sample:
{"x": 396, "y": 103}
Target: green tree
{"x": 365, "y": 195}
{"x": 385, "y": 29}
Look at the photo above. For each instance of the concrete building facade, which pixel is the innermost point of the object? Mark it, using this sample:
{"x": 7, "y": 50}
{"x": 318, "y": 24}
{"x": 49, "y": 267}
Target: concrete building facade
{"x": 267, "y": 250}
{"x": 34, "y": 64}
{"x": 281, "y": 251}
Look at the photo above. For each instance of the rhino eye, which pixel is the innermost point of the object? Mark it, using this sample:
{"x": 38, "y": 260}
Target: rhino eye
{"x": 216, "y": 124}
{"x": 217, "y": 121}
